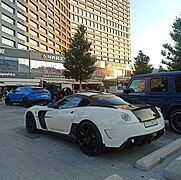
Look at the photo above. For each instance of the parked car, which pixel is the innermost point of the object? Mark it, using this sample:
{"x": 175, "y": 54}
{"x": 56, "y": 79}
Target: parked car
{"x": 28, "y": 96}
{"x": 159, "y": 89}
{"x": 96, "y": 120}
{"x": 120, "y": 90}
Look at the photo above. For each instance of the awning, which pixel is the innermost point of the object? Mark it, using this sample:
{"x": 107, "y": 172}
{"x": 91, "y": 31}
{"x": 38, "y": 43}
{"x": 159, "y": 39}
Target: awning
{"x": 16, "y": 83}
{"x": 2, "y": 84}
{"x": 19, "y": 82}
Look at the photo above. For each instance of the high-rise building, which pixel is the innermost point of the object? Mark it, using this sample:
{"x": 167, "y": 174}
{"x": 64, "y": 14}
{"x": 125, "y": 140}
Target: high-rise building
{"x": 41, "y": 25}
{"x": 34, "y": 33}
{"x": 108, "y": 28}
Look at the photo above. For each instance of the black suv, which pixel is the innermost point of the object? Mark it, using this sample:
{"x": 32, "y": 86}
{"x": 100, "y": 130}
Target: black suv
{"x": 160, "y": 89}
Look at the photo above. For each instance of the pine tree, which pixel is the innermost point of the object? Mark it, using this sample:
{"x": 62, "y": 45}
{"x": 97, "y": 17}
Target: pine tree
{"x": 79, "y": 62}
{"x": 161, "y": 69}
{"x": 141, "y": 65}
{"x": 172, "y": 53}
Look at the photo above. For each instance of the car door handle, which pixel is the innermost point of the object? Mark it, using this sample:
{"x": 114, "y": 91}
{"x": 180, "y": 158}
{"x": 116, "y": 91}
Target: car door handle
{"x": 72, "y": 112}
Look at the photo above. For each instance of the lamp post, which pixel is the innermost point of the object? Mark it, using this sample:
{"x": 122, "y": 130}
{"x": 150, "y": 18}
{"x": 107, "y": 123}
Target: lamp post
{"x": 72, "y": 84}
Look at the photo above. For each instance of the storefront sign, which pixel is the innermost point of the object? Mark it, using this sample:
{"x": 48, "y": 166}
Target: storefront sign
{"x": 2, "y": 51}
{"x": 115, "y": 65}
{"x": 98, "y": 77}
{"x": 52, "y": 57}
{"x": 52, "y": 76}
{"x": 7, "y": 74}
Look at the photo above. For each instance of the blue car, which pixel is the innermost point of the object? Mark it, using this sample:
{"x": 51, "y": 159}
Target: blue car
{"x": 159, "y": 89}
{"x": 28, "y": 96}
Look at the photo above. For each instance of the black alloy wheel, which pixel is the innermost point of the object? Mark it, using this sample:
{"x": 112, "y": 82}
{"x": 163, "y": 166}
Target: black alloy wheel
{"x": 30, "y": 123}
{"x": 8, "y": 101}
{"x": 25, "y": 102}
{"x": 89, "y": 139}
{"x": 175, "y": 121}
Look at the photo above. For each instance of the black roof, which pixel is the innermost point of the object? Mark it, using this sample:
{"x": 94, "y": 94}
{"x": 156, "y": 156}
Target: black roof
{"x": 170, "y": 73}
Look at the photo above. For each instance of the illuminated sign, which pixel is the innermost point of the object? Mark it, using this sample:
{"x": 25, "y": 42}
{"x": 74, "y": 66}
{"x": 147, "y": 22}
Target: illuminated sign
{"x": 2, "y": 51}
{"x": 53, "y": 57}
{"x": 7, "y": 74}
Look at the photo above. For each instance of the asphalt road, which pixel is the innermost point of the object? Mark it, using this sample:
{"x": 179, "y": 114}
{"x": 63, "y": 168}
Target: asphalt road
{"x": 50, "y": 156}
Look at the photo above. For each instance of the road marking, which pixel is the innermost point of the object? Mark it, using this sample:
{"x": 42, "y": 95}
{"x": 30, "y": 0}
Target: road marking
{"x": 114, "y": 177}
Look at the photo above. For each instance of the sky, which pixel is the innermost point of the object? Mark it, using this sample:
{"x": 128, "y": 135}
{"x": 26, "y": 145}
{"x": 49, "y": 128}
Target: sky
{"x": 151, "y": 23}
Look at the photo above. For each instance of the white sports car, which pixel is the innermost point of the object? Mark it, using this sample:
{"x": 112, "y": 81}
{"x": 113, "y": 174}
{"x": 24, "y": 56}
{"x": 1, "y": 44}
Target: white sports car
{"x": 97, "y": 120}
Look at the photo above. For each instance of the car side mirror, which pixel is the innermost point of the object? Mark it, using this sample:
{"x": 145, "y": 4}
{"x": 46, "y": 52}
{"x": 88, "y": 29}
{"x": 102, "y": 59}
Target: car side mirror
{"x": 53, "y": 106}
{"x": 128, "y": 90}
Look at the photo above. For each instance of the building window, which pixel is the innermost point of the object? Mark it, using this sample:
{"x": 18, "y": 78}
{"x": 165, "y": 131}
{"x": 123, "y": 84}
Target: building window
{"x": 58, "y": 46}
{"x": 43, "y": 21}
{"x": 50, "y": 11}
{"x": 7, "y": 30}
{"x": 21, "y": 6}
{"x": 57, "y": 32}
{"x": 50, "y": 19}
{"x": 43, "y": 46}
{"x": 50, "y": 50}
{"x": 33, "y": 5}
{"x": 33, "y": 33}
{"x": 50, "y": 34}
{"x": 50, "y": 4}
{"x": 43, "y": 38}
{"x": 33, "y": 24}
{"x": 32, "y": 41}
{"x": 51, "y": 42}
{"x": 56, "y": 24}
{"x": 7, "y": 8}
{"x": 42, "y": 4}
{"x": 21, "y": 46}
{"x": 42, "y": 13}
{"x": 7, "y": 19}
{"x": 51, "y": 27}
{"x": 57, "y": 18}
{"x": 43, "y": 30}
{"x": 22, "y": 27}
{"x": 8, "y": 42}
{"x": 22, "y": 37}
{"x": 57, "y": 39}
{"x": 33, "y": 14}
{"x": 21, "y": 16}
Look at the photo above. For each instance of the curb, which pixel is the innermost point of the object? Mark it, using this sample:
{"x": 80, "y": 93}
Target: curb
{"x": 148, "y": 162}
{"x": 173, "y": 170}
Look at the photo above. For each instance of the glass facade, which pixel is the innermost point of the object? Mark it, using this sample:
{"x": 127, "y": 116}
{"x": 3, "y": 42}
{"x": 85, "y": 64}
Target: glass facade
{"x": 29, "y": 64}
{"x": 39, "y": 68}
{"x": 13, "y": 66}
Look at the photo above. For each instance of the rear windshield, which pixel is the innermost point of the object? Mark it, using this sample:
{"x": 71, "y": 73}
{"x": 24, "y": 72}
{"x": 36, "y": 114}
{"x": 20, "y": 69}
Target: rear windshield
{"x": 110, "y": 99}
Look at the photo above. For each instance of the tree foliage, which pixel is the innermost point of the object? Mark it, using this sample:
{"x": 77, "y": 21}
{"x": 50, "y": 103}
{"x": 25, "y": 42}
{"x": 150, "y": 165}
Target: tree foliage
{"x": 79, "y": 62}
{"x": 141, "y": 65}
{"x": 161, "y": 69}
{"x": 172, "y": 53}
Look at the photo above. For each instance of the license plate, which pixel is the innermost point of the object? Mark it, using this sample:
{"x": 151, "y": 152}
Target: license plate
{"x": 151, "y": 123}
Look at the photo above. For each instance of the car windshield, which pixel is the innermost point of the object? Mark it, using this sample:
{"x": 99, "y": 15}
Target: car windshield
{"x": 110, "y": 99}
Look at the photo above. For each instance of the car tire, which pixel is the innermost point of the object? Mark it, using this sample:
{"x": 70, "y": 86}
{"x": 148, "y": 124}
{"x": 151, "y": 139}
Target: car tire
{"x": 175, "y": 120}
{"x": 25, "y": 102}
{"x": 89, "y": 139}
{"x": 30, "y": 123}
{"x": 8, "y": 101}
